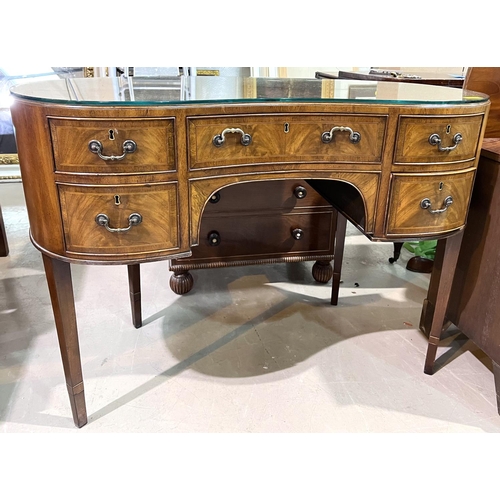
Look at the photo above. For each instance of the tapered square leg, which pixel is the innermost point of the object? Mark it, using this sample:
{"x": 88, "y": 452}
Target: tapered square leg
{"x": 134, "y": 284}
{"x": 338, "y": 255}
{"x": 4, "y": 247}
{"x": 434, "y": 310}
{"x": 496, "y": 373}
{"x": 58, "y": 275}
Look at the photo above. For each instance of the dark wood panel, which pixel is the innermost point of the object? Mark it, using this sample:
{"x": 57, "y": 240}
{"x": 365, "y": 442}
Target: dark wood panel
{"x": 265, "y": 236}
{"x": 475, "y": 297}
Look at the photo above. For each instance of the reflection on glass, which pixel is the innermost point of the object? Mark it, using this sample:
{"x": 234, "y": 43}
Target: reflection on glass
{"x": 176, "y": 90}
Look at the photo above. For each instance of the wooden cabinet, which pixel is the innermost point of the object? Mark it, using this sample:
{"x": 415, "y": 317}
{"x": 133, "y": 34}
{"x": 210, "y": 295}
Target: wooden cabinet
{"x": 260, "y": 223}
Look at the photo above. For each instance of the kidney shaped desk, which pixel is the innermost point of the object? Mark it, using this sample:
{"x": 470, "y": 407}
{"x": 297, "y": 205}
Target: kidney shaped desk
{"x": 119, "y": 170}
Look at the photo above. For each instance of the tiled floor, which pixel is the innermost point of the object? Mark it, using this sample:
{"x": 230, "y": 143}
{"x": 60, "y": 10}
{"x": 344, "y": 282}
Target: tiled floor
{"x": 256, "y": 349}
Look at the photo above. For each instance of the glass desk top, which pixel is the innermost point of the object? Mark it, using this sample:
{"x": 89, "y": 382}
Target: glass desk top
{"x": 147, "y": 91}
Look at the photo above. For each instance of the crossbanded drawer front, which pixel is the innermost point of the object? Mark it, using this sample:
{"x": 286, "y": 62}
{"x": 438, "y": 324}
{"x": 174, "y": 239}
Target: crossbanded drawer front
{"x": 119, "y": 220}
{"x": 240, "y": 139}
{"x": 429, "y": 204}
{"x": 107, "y": 146}
{"x": 343, "y": 138}
{"x": 234, "y": 140}
{"x": 437, "y": 139}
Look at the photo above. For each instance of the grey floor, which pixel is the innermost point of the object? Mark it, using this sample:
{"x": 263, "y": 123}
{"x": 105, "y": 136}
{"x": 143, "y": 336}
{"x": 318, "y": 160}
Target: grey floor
{"x": 248, "y": 350}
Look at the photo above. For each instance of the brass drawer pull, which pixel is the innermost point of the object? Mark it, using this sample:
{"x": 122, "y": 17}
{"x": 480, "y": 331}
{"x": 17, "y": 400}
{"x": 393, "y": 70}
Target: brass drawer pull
{"x": 219, "y": 139}
{"x": 426, "y": 205}
{"x": 133, "y": 220}
{"x": 354, "y": 137}
{"x": 435, "y": 140}
{"x": 298, "y": 234}
{"x": 96, "y": 148}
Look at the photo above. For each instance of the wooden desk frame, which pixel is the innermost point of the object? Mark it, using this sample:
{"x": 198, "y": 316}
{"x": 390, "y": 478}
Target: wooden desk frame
{"x": 377, "y": 186}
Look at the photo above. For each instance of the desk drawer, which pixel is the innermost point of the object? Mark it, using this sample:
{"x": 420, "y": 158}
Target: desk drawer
{"x": 265, "y": 236}
{"x": 343, "y": 138}
{"x": 429, "y": 204}
{"x": 282, "y": 196}
{"x": 154, "y": 140}
{"x": 244, "y": 139}
{"x": 413, "y": 143}
{"x": 156, "y": 205}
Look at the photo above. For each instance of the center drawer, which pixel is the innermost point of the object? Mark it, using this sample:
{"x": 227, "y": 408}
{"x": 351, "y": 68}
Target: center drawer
{"x": 120, "y": 220}
{"x": 282, "y": 196}
{"x": 245, "y": 139}
{"x": 265, "y": 236}
{"x": 118, "y": 146}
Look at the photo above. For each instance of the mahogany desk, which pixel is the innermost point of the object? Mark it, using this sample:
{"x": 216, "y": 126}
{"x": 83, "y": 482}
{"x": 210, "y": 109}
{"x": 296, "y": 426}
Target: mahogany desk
{"x": 119, "y": 172}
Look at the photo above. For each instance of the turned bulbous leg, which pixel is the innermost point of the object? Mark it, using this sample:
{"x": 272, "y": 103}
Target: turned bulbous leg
{"x": 181, "y": 283}
{"x": 322, "y": 271}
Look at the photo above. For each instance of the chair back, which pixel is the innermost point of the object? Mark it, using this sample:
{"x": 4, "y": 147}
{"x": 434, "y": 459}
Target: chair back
{"x": 487, "y": 81}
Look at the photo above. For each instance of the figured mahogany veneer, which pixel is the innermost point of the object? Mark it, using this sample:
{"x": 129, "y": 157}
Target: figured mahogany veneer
{"x": 156, "y": 152}
{"x": 407, "y": 192}
{"x": 377, "y": 182}
{"x": 277, "y": 138}
{"x": 158, "y": 230}
{"x": 412, "y": 145}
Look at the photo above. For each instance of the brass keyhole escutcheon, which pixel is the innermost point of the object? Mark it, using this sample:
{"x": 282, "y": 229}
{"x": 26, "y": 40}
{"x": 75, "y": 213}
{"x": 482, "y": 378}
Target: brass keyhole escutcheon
{"x": 286, "y": 128}
{"x": 117, "y": 199}
{"x": 111, "y": 135}
{"x": 441, "y": 186}
{"x": 448, "y": 129}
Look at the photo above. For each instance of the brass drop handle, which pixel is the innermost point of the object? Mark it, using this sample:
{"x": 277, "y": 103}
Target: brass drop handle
{"x": 214, "y": 238}
{"x": 96, "y": 148}
{"x": 426, "y": 205}
{"x": 133, "y": 220}
{"x": 300, "y": 192}
{"x": 354, "y": 137}
{"x": 435, "y": 140}
{"x": 298, "y": 234}
{"x": 220, "y": 139}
